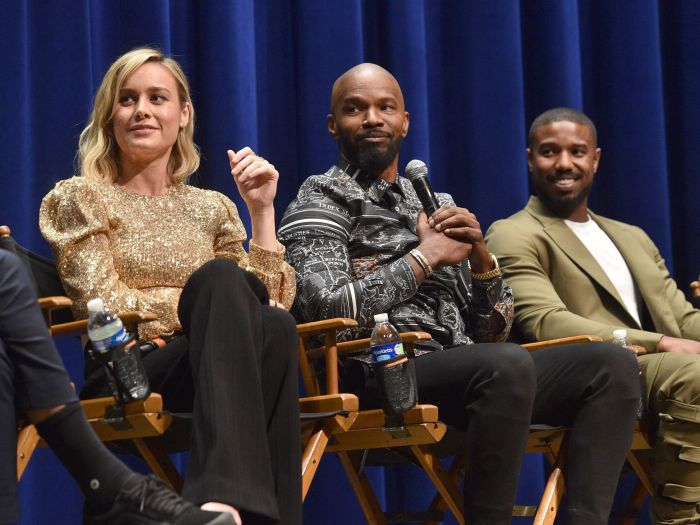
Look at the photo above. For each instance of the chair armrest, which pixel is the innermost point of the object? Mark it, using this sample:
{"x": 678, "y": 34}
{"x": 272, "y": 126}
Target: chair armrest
{"x": 49, "y": 304}
{"x": 329, "y": 403}
{"x": 54, "y": 303}
{"x": 695, "y": 288}
{"x": 321, "y": 327}
{"x": 95, "y": 408}
{"x": 575, "y": 339}
{"x": 638, "y": 349}
{"x": 357, "y": 345}
{"x": 130, "y": 319}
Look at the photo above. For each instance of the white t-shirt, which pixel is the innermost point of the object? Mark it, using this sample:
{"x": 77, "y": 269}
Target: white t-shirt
{"x": 608, "y": 256}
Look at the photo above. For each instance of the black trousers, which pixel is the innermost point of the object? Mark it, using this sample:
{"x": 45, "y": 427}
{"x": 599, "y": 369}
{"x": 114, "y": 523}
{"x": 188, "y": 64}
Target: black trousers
{"x": 235, "y": 368}
{"x": 494, "y": 391}
{"x": 31, "y": 371}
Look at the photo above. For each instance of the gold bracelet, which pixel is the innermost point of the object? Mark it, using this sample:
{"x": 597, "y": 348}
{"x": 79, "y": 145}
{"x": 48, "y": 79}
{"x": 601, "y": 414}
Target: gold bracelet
{"x": 422, "y": 261}
{"x": 487, "y": 276}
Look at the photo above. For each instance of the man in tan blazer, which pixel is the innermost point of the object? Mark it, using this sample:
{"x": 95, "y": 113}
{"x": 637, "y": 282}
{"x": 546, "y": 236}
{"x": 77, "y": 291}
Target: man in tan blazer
{"x": 574, "y": 272}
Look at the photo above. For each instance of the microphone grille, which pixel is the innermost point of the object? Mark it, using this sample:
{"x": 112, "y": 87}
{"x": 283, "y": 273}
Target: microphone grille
{"x": 415, "y": 169}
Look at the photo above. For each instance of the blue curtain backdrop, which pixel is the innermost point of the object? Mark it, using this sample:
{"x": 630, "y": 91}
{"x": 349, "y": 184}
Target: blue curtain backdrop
{"x": 474, "y": 74}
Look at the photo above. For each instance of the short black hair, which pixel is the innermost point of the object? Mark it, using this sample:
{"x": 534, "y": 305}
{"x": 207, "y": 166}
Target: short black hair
{"x": 560, "y": 115}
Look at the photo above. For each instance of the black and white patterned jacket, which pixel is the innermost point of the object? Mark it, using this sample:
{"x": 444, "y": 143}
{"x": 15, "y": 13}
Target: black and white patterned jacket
{"x": 347, "y": 234}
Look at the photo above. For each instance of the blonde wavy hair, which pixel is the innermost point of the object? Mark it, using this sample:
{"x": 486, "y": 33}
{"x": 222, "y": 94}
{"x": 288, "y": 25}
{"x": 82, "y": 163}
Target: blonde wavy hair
{"x": 98, "y": 152}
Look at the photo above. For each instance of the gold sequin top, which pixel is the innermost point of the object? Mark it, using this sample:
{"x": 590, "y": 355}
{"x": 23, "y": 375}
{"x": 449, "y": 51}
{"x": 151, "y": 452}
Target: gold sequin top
{"x": 136, "y": 252}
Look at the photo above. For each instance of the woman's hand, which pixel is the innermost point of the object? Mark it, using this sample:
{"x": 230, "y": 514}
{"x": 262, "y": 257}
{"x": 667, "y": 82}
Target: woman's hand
{"x": 255, "y": 178}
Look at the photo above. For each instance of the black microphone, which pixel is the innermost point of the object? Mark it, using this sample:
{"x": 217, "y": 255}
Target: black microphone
{"x": 417, "y": 173}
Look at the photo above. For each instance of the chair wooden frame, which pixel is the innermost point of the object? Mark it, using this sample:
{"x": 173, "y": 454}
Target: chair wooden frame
{"x": 368, "y": 433}
{"x": 695, "y": 293}
{"x": 421, "y": 425}
{"x": 144, "y": 423}
{"x": 139, "y": 422}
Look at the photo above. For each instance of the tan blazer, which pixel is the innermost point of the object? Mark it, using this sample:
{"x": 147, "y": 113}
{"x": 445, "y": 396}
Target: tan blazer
{"x": 561, "y": 290}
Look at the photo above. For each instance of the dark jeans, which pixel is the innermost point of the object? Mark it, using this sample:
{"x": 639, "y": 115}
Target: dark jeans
{"x": 31, "y": 371}
{"x": 235, "y": 368}
{"x": 494, "y": 391}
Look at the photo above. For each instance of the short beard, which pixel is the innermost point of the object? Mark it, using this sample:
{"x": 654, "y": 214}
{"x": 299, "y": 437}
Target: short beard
{"x": 370, "y": 159}
{"x": 564, "y": 207}
{"x": 373, "y": 161}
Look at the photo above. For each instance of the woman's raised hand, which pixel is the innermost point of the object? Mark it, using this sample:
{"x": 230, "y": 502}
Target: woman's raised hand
{"x": 255, "y": 178}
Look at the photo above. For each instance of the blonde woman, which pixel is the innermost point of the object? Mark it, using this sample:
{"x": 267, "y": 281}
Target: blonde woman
{"x": 130, "y": 230}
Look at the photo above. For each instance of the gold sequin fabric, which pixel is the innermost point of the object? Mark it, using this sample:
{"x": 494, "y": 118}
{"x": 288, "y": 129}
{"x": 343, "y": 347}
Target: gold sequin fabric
{"x": 136, "y": 252}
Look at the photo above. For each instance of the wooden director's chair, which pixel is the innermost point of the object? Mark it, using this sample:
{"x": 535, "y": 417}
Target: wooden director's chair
{"x": 144, "y": 426}
{"x": 368, "y": 439}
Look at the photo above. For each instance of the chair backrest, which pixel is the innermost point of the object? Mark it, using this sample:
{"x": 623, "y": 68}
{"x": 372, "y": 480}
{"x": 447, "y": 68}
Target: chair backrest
{"x": 42, "y": 270}
{"x": 695, "y": 293}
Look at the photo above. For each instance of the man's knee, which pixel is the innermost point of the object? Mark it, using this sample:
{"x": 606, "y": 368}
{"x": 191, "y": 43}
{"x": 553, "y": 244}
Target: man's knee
{"x": 616, "y": 363}
{"x": 513, "y": 365}
{"x": 676, "y": 381}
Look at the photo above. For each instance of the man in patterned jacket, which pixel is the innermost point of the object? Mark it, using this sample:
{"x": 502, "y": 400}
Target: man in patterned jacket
{"x": 361, "y": 245}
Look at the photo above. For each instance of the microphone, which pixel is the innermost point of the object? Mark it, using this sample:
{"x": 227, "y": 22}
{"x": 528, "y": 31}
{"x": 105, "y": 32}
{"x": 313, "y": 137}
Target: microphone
{"x": 417, "y": 173}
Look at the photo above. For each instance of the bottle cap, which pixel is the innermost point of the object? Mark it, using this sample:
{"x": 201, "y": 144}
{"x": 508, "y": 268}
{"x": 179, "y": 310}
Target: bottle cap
{"x": 620, "y": 333}
{"x": 381, "y": 318}
{"x": 95, "y": 305}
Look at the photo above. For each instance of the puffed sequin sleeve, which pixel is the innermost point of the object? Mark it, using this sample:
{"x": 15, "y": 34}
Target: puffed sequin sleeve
{"x": 73, "y": 219}
{"x": 270, "y": 267}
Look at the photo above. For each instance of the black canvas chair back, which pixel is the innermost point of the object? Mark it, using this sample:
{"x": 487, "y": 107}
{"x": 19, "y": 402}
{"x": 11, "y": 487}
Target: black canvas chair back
{"x": 43, "y": 272}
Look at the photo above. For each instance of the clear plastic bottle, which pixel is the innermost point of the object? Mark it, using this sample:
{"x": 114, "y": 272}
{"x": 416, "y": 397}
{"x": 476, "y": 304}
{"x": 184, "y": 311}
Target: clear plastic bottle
{"x": 112, "y": 345}
{"x": 385, "y": 342}
{"x": 395, "y": 373}
{"x": 620, "y": 338}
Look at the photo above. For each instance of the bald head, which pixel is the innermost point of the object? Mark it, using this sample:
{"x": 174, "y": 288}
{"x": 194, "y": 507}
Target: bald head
{"x": 369, "y": 120}
{"x": 363, "y": 75}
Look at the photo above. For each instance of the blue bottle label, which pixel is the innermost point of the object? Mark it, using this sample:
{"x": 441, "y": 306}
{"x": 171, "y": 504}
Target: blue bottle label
{"x": 387, "y": 352}
{"x": 103, "y": 345}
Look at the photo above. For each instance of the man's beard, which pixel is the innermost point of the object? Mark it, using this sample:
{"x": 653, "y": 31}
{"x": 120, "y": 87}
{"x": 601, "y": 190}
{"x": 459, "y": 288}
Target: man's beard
{"x": 371, "y": 159}
{"x": 564, "y": 207}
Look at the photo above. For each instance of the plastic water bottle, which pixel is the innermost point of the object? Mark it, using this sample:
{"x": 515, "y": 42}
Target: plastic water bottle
{"x": 620, "y": 338}
{"x": 112, "y": 346}
{"x": 395, "y": 373}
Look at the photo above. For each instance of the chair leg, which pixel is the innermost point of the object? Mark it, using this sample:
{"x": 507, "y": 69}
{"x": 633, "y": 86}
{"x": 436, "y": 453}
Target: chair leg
{"x": 442, "y": 480}
{"x": 551, "y": 498}
{"x": 455, "y": 473}
{"x": 27, "y": 441}
{"x": 310, "y": 459}
{"x": 362, "y": 488}
{"x": 155, "y": 457}
{"x": 641, "y": 468}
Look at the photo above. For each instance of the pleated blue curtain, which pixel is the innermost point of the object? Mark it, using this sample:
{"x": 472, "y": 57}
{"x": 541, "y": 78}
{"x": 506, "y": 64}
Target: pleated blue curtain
{"x": 474, "y": 74}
